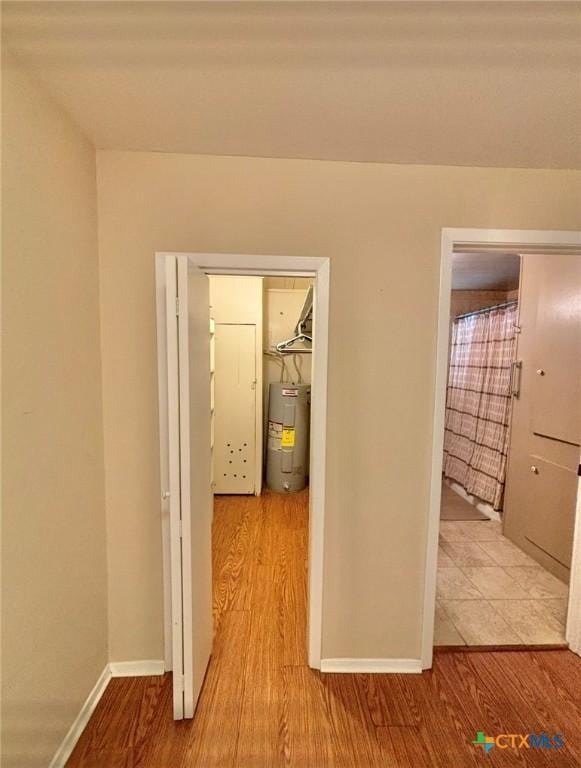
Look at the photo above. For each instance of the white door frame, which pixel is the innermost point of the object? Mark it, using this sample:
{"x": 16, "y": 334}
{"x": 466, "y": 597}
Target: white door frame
{"x": 291, "y": 266}
{"x": 505, "y": 241}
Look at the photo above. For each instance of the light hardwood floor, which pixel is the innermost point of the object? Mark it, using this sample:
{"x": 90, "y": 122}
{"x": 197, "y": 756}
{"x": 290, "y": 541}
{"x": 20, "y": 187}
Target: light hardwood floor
{"x": 262, "y": 707}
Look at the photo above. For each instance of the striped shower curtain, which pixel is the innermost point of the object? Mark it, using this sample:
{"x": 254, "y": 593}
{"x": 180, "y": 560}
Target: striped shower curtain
{"x": 478, "y": 402}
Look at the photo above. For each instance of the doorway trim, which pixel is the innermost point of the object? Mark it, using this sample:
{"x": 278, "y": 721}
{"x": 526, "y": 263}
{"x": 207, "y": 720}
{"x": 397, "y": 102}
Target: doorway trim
{"x": 506, "y": 241}
{"x": 317, "y": 268}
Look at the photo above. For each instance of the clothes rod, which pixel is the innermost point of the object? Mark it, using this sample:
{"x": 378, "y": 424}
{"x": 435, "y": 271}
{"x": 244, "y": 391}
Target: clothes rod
{"x": 487, "y": 309}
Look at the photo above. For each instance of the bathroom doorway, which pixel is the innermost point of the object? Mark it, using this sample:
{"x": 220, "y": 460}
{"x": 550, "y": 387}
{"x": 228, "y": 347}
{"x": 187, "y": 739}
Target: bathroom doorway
{"x": 489, "y": 559}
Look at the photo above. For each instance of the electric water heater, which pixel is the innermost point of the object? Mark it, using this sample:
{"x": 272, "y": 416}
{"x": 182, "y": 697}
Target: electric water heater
{"x": 288, "y": 436}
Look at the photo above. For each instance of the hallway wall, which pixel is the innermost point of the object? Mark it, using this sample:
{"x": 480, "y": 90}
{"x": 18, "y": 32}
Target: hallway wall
{"x": 381, "y": 227}
{"x": 54, "y": 580}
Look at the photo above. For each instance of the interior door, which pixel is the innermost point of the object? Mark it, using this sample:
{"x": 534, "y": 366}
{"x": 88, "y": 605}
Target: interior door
{"x": 195, "y": 477}
{"x": 186, "y": 506}
{"x": 235, "y": 409}
{"x": 169, "y": 425}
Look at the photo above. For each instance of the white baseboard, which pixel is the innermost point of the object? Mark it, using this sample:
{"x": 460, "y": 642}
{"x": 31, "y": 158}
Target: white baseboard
{"x": 74, "y": 733}
{"x": 137, "y": 668}
{"x": 115, "y": 669}
{"x": 384, "y": 666}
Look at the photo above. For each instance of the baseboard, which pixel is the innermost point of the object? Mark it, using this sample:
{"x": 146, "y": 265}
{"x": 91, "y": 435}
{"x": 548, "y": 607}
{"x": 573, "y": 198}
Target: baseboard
{"x": 137, "y": 668}
{"x": 114, "y": 669}
{"x": 383, "y": 666}
{"x": 74, "y": 733}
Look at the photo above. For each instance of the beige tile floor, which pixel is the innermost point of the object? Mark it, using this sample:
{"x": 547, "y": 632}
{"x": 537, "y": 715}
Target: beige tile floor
{"x": 489, "y": 592}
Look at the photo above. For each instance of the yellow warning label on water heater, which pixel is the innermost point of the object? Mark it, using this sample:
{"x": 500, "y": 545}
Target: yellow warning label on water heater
{"x": 288, "y": 437}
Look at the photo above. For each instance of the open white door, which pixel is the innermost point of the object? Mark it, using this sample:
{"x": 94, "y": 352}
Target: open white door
{"x": 169, "y": 423}
{"x": 184, "y": 361}
{"x": 196, "y": 476}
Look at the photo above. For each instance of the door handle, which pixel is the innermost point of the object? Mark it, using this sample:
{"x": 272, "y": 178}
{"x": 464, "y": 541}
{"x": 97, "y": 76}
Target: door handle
{"x": 515, "y": 377}
{"x": 534, "y": 470}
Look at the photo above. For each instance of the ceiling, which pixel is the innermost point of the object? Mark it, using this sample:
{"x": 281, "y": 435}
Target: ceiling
{"x": 486, "y": 84}
{"x": 485, "y": 272}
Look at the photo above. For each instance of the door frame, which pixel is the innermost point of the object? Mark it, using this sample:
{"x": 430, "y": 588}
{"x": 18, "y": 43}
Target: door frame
{"x": 509, "y": 241}
{"x": 317, "y": 268}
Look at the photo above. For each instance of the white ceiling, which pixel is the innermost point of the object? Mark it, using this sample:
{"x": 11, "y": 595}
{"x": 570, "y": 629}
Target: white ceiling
{"x": 485, "y": 272}
{"x": 493, "y": 84}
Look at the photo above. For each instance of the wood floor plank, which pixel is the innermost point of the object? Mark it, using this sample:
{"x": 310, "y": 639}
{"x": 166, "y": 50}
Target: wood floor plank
{"x": 248, "y": 546}
{"x": 306, "y": 728}
{"x": 437, "y": 715}
{"x": 387, "y": 702}
{"x": 478, "y": 704}
{"x": 121, "y": 723}
{"x": 354, "y": 738}
{"x": 262, "y": 707}
{"x": 168, "y": 740}
{"x": 231, "y": 551}
{"x": 566, "y": 670}
{"x": 211, "y": 744}
{"x": 533, "y": 691}
{"x": 259, "y": 740}
{"x": 292, "y": 584}
{"x": 403, "y": 747}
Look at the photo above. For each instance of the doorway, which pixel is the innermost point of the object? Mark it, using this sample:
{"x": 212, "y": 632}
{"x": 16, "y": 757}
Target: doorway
{"x": 502, "y": 581}
{"x": 472, "y": 445}
{"x": 185, "y": 407}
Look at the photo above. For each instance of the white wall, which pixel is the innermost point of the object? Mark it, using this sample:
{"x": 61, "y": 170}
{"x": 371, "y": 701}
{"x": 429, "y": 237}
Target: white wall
{"x": 380, "y": 225}
{"x": 54, "y": 588}
{"x": 282, "y": 307}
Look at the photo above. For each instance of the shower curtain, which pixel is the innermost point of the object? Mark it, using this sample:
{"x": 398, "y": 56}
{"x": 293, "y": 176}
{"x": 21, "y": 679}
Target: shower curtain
{"x": 478, "y": 402}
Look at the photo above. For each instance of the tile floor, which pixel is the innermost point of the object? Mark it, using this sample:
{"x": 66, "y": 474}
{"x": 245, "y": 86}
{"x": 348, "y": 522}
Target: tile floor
{"x": 489, "y": 592}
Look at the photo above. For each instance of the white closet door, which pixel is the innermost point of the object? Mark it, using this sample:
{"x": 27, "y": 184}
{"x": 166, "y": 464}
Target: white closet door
{"x": 184, "y": 375}
{"x": 195, "y": 477}
{"x": 166, "y": 273}
{"x": 235, "y": 409}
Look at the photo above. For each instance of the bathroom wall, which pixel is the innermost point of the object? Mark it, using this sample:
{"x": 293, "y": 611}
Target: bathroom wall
{"x": 470, "y": 301}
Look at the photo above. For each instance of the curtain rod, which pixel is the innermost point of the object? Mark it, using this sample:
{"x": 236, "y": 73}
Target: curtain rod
{"x": 487, "y": 309}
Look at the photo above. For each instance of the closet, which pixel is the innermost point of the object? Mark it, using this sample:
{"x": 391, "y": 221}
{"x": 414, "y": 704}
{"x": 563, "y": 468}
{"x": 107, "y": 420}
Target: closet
{"x": 541, "y": 483}
{"x": 256, "y": 341}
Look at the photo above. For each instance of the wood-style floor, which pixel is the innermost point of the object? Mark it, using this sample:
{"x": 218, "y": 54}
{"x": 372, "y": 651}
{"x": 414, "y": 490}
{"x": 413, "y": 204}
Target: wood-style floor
{"x": 262, "y": 707}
